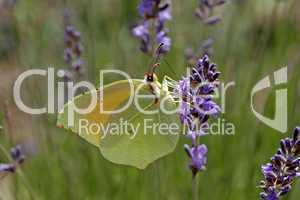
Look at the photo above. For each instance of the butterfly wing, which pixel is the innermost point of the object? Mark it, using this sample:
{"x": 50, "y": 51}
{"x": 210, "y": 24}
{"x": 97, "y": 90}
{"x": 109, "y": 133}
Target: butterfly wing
{"x": 113, "y": 96}
{"x": 130, "y": 137}
{"x": 144, "y": 140}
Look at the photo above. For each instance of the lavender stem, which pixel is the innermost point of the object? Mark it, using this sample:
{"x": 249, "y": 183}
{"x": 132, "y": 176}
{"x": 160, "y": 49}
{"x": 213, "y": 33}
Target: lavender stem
{"x": 195, "y": 183}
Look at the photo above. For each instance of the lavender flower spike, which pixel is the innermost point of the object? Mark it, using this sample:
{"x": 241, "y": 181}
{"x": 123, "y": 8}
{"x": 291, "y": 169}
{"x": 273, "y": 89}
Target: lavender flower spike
{"x": 157, "y": 13}
{"x": 283, "y": 169}
{"x": 72, "y": 52}
{"x": 195, "y": 92}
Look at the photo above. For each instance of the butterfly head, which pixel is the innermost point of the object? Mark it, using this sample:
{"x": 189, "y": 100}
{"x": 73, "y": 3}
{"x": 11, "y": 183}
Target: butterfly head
{"x": 151, "y": 78}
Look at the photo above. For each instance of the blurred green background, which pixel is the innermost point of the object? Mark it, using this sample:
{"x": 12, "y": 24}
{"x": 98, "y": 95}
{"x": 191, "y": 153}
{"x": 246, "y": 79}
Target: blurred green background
{"x": 254, "y": 39}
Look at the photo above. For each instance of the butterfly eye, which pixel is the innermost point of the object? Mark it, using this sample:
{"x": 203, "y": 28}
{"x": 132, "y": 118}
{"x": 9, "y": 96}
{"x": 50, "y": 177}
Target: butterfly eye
{"x": 150, "y": 77}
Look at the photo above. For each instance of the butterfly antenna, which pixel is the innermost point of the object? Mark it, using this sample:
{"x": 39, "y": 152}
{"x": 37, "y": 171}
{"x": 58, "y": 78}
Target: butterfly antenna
{"x": 155, "y": 63}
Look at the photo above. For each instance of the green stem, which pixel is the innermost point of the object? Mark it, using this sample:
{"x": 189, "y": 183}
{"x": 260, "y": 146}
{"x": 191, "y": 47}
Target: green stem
{"x": 157, "y": 180}
{"x": 195, "y": 188}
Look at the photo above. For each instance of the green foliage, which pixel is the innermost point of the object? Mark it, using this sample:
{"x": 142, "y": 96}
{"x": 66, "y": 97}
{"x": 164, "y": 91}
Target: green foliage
{"x": 253, "y": 40}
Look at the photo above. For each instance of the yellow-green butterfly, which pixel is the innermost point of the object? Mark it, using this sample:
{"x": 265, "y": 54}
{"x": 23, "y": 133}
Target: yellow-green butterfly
{"x": 141, "y": 143}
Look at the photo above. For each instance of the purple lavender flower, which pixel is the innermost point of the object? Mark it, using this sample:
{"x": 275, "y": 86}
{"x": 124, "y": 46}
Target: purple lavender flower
{"x": 183, "y": 88}
{"x": 184, "y": 113}
{"x": 146, "y": 8}
{"x": 73, "y": 51}
{"x": 198, "y": 157}
{"x": 162, "y": 38}
{"x": 195, "y": 93}
{"x": 283, "y": 169}
{"x": 158, "y": 13}
{"x": 18, "y": 158}
{"x": 205, "y": 11}
{"x": 17, "y": 154}
{"x": 270, "y": 195}
{"x": 142, "y": 33}
{"x": 7, "y": 168}
{"x": 164, "y": 14}
{"x": 197, "y": 90}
